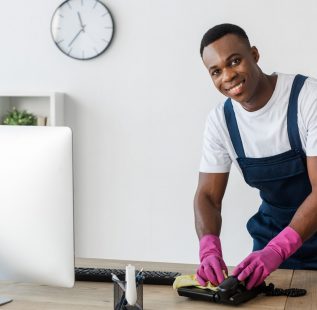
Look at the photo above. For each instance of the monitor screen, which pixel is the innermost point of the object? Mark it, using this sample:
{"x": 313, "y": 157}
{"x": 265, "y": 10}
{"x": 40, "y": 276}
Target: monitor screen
{"x": 36, "y": 205}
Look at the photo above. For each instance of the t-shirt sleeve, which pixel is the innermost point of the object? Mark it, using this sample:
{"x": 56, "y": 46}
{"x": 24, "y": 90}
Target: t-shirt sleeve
{"x": 309, "y": 116}
{"x": 311, "y": 125}
{"x": 215, "y": 158}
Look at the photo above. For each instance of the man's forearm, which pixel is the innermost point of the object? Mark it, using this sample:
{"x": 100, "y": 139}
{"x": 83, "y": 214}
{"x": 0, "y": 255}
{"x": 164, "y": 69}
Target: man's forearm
{"x": 305, "y": 218}
{"x": 207, "y": 216}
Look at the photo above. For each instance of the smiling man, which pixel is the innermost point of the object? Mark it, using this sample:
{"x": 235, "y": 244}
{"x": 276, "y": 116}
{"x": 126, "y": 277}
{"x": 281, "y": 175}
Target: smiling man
{"x": 268, "y": 128}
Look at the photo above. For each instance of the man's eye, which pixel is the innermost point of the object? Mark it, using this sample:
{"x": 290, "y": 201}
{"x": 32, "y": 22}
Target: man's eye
{"x": 235, "y": 61}
{"x": 215, "y": 72}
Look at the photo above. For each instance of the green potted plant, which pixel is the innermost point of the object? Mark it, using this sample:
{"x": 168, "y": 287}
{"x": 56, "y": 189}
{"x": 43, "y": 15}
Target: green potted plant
{"x": 16, "y": 117}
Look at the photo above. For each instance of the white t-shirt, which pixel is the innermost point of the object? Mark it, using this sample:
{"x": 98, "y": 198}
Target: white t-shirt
{"x": 263, "y": 132}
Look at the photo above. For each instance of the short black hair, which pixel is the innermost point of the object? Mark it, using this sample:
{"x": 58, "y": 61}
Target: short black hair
{"x": 218, "y": 32}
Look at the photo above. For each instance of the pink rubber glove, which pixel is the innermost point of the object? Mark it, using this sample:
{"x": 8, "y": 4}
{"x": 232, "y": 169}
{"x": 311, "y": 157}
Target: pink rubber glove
{"x": 259, "y": 264}
{"x": 211, "y": 262}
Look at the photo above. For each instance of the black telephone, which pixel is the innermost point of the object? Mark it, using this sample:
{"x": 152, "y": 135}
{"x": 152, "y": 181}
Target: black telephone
{"x": 230, "y": 291}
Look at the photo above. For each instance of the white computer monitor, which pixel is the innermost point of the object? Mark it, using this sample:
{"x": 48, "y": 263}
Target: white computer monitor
{"x": 36, "y": 205}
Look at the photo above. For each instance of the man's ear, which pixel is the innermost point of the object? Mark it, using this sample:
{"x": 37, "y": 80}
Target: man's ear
{"x": 255, "y": 53}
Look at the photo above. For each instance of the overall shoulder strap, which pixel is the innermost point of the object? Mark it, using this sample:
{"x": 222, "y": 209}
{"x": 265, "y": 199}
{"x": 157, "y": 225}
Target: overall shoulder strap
{"x": 233, "y": 129}
{"x": 292, "y": 124}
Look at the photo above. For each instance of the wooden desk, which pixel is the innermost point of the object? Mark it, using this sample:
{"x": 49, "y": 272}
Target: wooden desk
{"x": 99, "y": 296}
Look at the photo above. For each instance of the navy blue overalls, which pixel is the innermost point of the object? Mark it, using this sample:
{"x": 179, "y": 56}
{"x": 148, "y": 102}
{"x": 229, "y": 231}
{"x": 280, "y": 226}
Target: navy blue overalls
{"x": 283, "y": 183}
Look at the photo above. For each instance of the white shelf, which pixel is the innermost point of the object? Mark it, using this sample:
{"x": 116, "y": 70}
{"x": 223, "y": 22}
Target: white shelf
{"x": 45, "y": 104}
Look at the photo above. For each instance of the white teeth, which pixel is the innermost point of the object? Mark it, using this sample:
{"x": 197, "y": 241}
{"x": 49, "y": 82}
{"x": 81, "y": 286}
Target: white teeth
{"x": 235, "y": 87}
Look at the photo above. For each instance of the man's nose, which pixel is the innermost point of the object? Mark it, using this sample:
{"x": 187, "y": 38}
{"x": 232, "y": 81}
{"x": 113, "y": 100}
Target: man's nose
{"x": 228, "y": 75}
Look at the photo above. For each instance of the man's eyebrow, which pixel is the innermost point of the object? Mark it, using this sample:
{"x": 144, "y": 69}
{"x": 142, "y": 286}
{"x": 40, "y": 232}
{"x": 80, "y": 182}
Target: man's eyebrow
{"x": 232, "y": 55}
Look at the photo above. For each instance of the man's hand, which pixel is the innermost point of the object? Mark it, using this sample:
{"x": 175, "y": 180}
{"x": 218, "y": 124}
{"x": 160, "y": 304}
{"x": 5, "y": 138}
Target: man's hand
{"x": 212, "y": 264}
{"x": 259, "y": 264}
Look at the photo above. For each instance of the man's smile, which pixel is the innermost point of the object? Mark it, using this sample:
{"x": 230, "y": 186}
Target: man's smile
{"x": 235, "y": 89}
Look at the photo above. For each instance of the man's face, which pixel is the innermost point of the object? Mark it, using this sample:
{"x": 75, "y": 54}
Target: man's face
{"x": 232, "y": 65}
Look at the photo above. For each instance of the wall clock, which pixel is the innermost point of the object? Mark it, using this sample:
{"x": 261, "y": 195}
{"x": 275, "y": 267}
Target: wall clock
{"x": 82, "y": 29}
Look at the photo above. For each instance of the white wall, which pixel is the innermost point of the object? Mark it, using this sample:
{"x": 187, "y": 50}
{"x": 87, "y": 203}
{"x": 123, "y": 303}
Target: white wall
{"x": 138, "y": 113}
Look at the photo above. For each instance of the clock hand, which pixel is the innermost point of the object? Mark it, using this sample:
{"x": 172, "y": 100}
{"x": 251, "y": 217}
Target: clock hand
{"x": 75, "y": 37}
{"x": 81, "y": 22}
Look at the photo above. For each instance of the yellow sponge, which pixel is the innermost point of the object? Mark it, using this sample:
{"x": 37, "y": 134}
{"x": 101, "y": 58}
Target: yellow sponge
{"x": 190, "y": 280}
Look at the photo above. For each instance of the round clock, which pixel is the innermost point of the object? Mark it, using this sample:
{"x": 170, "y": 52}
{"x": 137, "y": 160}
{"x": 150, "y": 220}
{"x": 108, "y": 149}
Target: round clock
{"x": 82, "y": 29}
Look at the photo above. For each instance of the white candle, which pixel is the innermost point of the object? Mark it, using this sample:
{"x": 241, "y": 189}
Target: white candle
{"x": 130, "y": 293}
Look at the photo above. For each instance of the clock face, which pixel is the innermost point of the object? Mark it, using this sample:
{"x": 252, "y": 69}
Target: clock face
{"x": 82, "y": 29}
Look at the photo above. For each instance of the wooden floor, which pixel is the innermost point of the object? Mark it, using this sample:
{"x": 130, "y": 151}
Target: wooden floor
{"x": 97, "y": 296}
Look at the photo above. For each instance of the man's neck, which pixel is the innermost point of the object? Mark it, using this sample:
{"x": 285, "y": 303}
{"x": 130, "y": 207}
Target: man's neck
{"x": 264, "y": 91}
